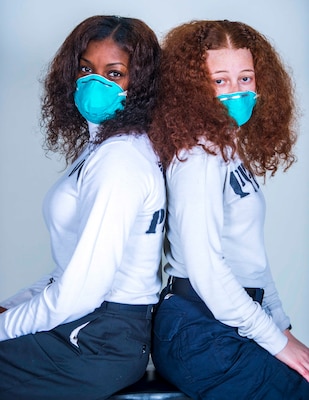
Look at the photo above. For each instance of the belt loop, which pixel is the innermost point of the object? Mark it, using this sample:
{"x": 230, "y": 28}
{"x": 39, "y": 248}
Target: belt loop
{"x": 164, "y": 292}
{"x": 149, "y": 312}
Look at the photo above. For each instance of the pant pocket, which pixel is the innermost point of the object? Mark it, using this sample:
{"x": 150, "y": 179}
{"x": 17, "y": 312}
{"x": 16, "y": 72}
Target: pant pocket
{"x": 75, "y": 332}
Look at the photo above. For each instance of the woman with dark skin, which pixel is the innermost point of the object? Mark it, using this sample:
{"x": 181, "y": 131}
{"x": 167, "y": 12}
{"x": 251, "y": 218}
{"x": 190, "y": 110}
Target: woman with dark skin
{"x": 83, "y": 332}
{"x": 225, "y": 113}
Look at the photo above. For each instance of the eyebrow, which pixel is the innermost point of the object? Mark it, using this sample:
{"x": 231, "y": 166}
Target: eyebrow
{"x": 244, "y": 70}
{"x": 109, "y": 65}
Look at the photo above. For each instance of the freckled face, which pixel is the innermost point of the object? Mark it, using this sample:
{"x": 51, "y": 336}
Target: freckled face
{"x": 231, "y": 70}
{"x": 105, "y": 58}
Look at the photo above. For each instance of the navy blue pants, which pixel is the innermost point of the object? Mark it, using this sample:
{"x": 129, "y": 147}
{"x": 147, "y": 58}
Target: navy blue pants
{"x": 209, "y": 360}
{"x": 90, "y": 358}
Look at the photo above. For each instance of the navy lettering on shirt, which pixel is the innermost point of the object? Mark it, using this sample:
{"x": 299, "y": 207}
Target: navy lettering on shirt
{"x": 78, "y": 168}
{"x": 238, "y": 179}
{"x": 157, "y": 218}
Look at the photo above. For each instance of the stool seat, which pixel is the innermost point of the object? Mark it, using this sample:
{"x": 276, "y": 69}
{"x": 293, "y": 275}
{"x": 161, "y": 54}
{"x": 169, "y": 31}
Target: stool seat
{"x": 150, "y": 387}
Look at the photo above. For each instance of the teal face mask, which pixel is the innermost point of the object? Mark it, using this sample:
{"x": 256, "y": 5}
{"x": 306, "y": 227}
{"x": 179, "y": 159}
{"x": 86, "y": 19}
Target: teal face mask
{"x": 239, "y": 105}
{"x": 97, "y": 98}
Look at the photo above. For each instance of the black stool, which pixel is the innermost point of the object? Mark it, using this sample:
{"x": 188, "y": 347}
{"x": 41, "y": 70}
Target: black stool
{"x": 151, "y": 387}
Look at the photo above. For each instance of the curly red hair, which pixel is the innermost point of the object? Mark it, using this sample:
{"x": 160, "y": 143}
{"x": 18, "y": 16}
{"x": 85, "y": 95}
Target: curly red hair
{"x": 187, "y": 108}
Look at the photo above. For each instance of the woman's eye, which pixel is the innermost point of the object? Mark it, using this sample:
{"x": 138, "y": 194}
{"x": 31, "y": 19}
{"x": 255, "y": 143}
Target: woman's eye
{"x": 115, "y": 74}
{"x": 85, "y": 70}
{"x": 219, "y": 81}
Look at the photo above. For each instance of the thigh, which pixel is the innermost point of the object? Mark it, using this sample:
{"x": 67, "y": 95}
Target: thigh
{"x": 207, "y": 359}
{"x": 190, "y": 347}
{"x": 80, "y": 360}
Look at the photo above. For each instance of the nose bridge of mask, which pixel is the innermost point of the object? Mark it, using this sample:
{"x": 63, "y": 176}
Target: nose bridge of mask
{"x": 95, "y": 86}
{"x": 100, "y": 78}
{"x": 239, "y": 105}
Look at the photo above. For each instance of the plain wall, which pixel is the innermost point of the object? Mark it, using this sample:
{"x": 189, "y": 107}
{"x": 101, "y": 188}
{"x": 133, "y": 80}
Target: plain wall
{"x": 30, "y": 33}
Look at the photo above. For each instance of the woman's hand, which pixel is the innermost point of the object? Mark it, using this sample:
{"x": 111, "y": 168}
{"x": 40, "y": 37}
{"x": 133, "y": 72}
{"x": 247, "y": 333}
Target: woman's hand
{"x": 2, "y": 309}
{"x": 295, "y": 355}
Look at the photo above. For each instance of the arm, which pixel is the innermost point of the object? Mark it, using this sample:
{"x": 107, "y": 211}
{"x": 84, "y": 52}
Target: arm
{"x": 113, "y": 189}
{"x": 296, "y": 355}
{"x": 195, "y": 189}
{"x": 29, "y": 292}
{"x": 272, "y": 304}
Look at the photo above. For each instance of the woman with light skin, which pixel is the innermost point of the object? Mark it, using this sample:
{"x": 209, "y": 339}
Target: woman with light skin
{"x": 83, "y": 331}
{"x": 225, "y": 114}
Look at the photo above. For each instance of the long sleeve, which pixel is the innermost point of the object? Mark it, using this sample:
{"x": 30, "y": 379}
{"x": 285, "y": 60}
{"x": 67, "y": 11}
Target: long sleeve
{"x": 112, "y": 196}
{"x": 27, "y": 293}
{"x": 215, "y": 243}
{"x": 272, "y": 304}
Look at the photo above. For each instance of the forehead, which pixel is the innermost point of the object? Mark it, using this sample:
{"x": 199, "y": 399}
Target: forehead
{"x": 229, "y": 59}
{"x": 105, "y": 50}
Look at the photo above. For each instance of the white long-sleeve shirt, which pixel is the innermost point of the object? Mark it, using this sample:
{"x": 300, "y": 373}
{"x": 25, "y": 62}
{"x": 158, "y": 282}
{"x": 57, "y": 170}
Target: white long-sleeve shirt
{"x": 215, "y": 228}
{"x": 105, "y": 217}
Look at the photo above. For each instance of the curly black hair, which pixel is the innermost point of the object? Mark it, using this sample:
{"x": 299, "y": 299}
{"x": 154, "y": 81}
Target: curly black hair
{"x": 66, "y": 129}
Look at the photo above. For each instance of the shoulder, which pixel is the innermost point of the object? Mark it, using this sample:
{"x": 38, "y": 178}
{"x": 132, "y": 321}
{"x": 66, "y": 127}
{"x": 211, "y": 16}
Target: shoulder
{"x": 124, "y": 158}
{"x": 128, "y": 146}
{"x": 195, "y": 158}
